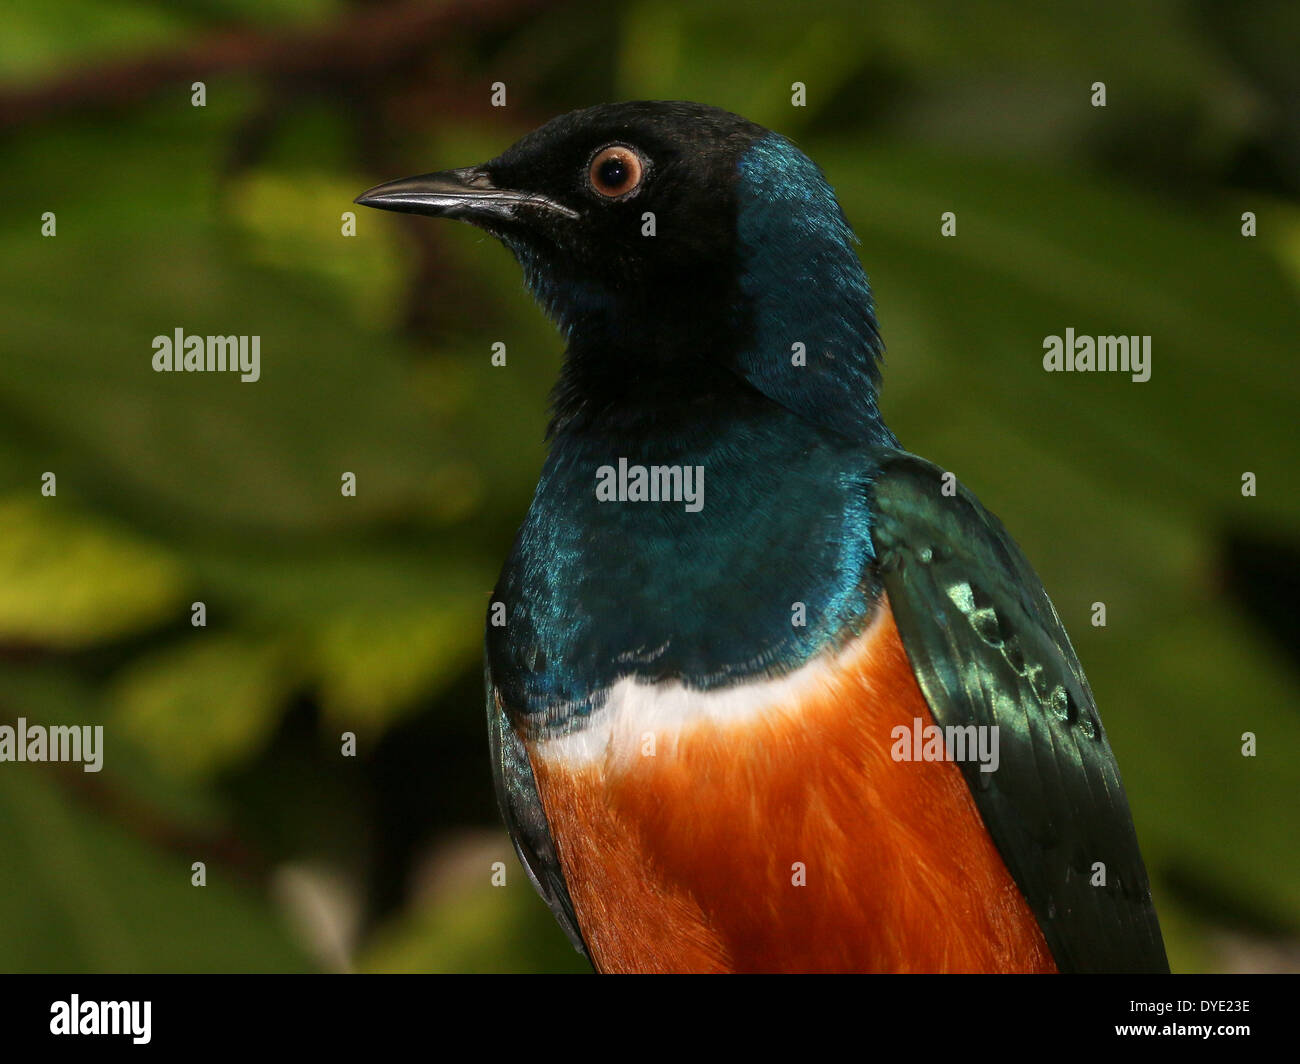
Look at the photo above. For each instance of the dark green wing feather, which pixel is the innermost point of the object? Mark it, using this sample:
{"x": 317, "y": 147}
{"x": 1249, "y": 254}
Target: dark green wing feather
{"x": 521, "y": 809}
{"x": 988, "y": 648}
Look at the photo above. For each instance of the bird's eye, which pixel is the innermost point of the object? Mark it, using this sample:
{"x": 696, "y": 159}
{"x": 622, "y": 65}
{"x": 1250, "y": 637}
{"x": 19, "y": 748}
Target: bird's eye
{"x": 615, "y": 171}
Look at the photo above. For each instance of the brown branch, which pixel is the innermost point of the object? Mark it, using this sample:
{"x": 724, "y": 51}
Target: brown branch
{"x": 371, "y": 41}
{"x": 113, "y": 803}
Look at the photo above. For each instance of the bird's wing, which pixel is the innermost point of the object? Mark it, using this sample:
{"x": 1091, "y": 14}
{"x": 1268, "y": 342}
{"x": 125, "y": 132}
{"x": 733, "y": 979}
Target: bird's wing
{"x": 521, "y": 809}
{"x": 988, "y": 649}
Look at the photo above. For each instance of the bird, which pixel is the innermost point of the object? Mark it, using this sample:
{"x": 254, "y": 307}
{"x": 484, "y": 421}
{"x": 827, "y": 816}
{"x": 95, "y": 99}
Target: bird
{"x": 766, "y": 692}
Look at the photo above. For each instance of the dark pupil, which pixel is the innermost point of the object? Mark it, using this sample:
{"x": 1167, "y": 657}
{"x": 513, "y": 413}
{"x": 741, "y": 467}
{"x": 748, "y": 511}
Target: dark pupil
{"x": 613, "y": 172}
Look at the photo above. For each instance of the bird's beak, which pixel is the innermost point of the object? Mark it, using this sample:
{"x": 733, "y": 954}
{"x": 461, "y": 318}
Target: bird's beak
{"x": 467, "y": 193}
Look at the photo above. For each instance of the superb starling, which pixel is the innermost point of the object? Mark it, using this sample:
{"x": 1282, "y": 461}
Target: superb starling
{"x": 765, "y": 691}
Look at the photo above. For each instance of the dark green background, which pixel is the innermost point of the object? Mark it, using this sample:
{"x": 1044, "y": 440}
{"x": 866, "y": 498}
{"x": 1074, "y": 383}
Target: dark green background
{"x": 328, "y": 614}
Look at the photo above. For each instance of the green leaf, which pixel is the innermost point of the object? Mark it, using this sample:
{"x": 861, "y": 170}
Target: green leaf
{"x": 68, "y": 580}
{"x": 204, "y": 704}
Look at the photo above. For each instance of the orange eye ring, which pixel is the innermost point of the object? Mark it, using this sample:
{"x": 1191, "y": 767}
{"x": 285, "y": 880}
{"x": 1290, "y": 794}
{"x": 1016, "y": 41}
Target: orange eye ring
{"x": 615, "y": 171}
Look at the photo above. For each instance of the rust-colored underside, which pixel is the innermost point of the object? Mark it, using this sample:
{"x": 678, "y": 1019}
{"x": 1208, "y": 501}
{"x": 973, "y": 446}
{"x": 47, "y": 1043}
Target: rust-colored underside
{"x": 688, "y": 861}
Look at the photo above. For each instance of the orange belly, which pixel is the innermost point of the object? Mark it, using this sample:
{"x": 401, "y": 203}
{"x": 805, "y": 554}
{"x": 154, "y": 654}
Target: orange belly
{"x": 791, "y": 841}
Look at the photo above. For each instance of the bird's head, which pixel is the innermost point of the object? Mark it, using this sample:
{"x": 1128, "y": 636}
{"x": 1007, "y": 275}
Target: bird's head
{"x": 660, "y": 233}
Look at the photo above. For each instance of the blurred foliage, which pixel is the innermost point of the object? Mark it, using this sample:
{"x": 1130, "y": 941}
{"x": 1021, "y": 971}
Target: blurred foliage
{"x": 329, "y": 614}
